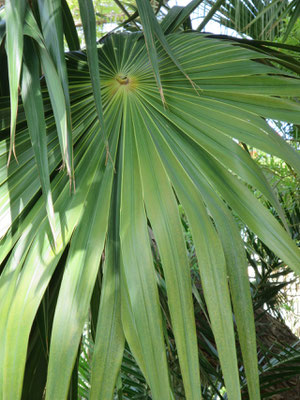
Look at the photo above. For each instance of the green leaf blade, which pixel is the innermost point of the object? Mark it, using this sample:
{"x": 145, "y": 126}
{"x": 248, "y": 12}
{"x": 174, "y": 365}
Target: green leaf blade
{"x": 162, "y": 211}
{"x": 79, "y": 278}
{"x": 109, "y": 341}
{"x": 14, "y": 14}
{"x": 89, "y": 27}
{"x": 142, "y": 321}
{"x": 34, "y": 110}
{"x": 211, "y": 263}
{"x": 38, "y": 266}
{"x": 52, "y": 27}
{"x": 69, "y": 27}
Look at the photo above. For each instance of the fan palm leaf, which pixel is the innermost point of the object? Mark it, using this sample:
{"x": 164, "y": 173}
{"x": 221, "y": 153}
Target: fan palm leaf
{"x": 131, "y": 170}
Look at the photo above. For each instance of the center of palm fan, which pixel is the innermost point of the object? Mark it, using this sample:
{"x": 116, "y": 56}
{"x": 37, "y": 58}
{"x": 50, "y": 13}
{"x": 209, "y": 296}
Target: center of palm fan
{"x": 123, "y": 80}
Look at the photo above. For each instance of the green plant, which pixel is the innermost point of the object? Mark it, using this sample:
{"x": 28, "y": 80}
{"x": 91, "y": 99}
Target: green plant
{"x": 96, "y": 170}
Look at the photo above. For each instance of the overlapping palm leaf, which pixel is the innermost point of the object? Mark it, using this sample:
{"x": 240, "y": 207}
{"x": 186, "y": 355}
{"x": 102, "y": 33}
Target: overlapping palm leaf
{"x": 129, "y": 177}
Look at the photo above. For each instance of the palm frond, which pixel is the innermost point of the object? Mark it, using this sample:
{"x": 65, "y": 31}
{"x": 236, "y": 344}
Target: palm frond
{"x": 185, "y": 151}
{"x": 261, "y": 20}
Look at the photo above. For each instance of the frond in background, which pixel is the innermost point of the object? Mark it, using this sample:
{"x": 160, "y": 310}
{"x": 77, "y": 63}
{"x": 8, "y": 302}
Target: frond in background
{"x": 260, "y": 20}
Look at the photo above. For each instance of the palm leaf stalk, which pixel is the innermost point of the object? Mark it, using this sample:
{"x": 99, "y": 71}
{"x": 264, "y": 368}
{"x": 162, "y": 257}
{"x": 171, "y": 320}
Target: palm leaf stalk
{"x": 185, "y": 150}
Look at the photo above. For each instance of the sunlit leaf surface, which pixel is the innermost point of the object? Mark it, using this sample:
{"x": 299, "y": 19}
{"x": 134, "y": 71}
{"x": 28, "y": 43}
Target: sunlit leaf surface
{"x": 185, "y": 151}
